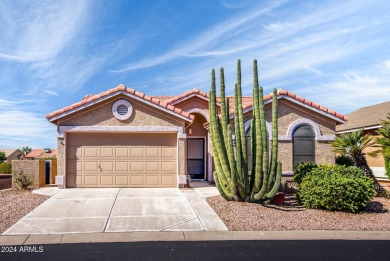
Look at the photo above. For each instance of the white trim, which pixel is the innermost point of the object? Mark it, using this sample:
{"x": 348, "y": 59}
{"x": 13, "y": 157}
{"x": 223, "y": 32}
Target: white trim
{"x": 65, "y": 162}
{"x": 89, "y": 104}
{"x": 295, "y": 124}
{"x": 313, "y": 109}
{"x": 200, "y": 111}
{"x": 177, "y": 163}
{"x": 188, "y": 97}
{"x": 299, "y": 103}
{"x": 356, "y": 129}
{"x": 148, "y": 129}
{"x": 124, "y": 103}
{"x": 204, "y": 154}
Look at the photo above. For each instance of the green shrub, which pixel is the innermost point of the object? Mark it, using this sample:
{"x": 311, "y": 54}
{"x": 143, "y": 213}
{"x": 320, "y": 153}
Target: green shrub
{"x": 22, "y": 180}
{"x": 344, "y": 160}
{"x": 2, "y": 156}
{"x": 5, "y": 168}
{"x": 301, "y": 170}
{"x": 387, "y": 166}
{"x": 336, "y": 188}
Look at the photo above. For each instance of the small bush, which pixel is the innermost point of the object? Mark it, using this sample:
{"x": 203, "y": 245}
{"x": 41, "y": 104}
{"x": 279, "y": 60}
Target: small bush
{"x": 344, "y": 160}
{"x": 387, "y": 166}
{"x": 5, "y": 168}
{"x": 336, "y": 188}
{"x": 22, "y": 180}
{"x": 2, "y": 156}
{"x": 301, "y": 170}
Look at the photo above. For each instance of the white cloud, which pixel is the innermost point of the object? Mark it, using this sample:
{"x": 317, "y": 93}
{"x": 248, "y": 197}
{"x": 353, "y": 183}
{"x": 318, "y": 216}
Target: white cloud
{"x": 53, "y": 93}
{"x": 42, "y": 29}
{"x": 25, "y": 128}
{"x": 49, "y": 40}
{"x": 278, "y": 27}
{"x": 202, "y": 41}
{"x": 306, "y": 48}
{"x": 387, "y": 64}
{"x": 352, "y": 90}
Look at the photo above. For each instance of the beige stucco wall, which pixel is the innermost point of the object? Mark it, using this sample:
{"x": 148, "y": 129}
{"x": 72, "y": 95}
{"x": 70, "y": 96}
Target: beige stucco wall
{"x": 288, "y": 112}
{"x": 61, "y": 157}
{"x": 194, "y": 102}
{"x": 35, "y": 169}
{"x": 182, "y": 156}
{"x": 101, "y": 115}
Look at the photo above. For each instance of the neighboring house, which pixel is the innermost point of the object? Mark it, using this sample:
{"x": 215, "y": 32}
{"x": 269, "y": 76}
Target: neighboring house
{"x": 124, "y": 138}
{"x": 41, "y": 154}
{"x": 370, "y": 119}
{"x": 13, "y": 154}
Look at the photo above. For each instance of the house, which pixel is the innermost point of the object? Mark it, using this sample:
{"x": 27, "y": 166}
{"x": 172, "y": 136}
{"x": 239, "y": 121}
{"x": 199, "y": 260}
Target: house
{"x": 13, "y": 154}
{"x": 41, "y": 154}
{"x": 370, "y": 120}
{"x": 124, "y": 138}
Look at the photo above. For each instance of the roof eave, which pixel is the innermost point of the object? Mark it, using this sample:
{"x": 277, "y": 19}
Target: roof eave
{"x": 106, "y": 97}
{"x": 337, "y": 119}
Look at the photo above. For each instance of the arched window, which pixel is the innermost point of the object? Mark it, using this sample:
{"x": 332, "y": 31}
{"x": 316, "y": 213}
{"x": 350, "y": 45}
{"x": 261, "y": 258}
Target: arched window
{"x": 303, "y": 145}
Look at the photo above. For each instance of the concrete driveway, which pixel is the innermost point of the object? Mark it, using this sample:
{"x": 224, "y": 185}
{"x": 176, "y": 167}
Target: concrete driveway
{"x": 121, "y": 210}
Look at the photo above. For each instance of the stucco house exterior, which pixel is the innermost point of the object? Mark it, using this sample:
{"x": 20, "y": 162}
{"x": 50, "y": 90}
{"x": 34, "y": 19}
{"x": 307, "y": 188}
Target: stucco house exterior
{"x": 370, "y": 120}
{"x": 124, "y": 138}
{"x": 13, "y": 154}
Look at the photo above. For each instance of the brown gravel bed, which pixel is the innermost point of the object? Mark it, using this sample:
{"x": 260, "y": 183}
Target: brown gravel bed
{"x": 15, "y": 204}
{"x": 243, "y": 216}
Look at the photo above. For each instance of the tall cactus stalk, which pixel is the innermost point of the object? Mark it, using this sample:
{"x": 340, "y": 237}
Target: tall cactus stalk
{"x": 231, "y": 164}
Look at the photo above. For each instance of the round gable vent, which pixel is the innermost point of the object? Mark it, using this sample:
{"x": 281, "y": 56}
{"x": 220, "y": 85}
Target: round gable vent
{"x": 122, "y": 109}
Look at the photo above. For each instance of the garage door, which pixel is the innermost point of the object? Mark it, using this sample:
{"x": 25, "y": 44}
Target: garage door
{"x": 121, "y": 160}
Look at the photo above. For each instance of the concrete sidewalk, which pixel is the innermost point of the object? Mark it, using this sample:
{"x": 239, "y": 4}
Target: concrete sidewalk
{"x": 191, "y": 236}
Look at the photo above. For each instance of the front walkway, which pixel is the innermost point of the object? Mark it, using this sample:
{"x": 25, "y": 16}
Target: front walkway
{"x": 121, "y": 210}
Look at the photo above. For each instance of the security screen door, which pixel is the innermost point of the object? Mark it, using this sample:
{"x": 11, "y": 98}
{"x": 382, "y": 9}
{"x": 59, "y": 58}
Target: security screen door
{"x": 195, "y": 158}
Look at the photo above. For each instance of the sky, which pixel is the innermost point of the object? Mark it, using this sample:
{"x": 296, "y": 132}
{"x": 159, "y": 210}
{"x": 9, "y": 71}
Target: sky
{"x": 52, "y": 53}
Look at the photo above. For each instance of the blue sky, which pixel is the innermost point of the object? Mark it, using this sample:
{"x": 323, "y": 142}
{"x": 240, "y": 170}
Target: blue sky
{"x": 52, "y": 53}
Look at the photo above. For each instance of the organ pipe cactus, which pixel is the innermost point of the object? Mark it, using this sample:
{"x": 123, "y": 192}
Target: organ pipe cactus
{"x": 231, "y": 164}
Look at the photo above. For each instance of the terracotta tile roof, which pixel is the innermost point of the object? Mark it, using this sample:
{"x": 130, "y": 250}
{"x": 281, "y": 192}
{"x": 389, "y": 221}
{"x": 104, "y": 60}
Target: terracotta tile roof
{"x": 188, "y": 93}
{"x": 163, "y": 97}
{"x": 120, "y": 88}
{"x": 366, "y": 117}
{"x": 247, "y": 101}
{"x": 34, "y": 153}
{"x": 8, "y": 152}
{"x": 247, "y": 104}
{"x": 41, "y": 153}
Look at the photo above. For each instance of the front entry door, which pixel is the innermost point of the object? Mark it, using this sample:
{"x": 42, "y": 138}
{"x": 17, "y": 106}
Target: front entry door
{"x": 195, "y": 158}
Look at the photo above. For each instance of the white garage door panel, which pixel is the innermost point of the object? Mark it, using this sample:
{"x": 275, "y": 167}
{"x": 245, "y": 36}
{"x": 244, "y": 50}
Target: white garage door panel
{"x": 121, "y": 160}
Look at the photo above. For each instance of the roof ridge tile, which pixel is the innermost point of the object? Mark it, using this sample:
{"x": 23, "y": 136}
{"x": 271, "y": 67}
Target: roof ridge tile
{"x": 120, "y": 88}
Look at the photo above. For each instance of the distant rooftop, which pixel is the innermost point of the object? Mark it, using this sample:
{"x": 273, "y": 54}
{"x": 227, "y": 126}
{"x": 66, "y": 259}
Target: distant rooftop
{"x": 366, "y": 117}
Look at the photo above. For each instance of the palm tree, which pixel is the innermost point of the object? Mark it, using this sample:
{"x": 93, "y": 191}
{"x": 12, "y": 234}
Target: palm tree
{"x": 384, "y": 143}
{"x": 353, "y": 144}
{"x": 26, "y": 150}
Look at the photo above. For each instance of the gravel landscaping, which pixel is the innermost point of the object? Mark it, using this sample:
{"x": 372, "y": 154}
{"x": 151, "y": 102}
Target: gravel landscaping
{"x": 243, "y": 216}
{"x": 15, "y": 204}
